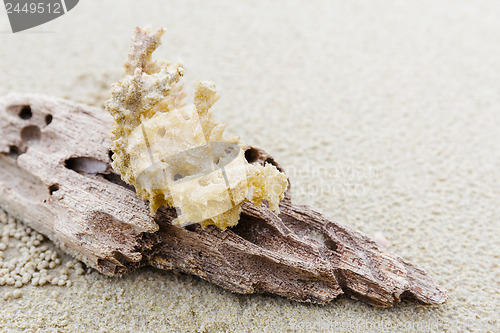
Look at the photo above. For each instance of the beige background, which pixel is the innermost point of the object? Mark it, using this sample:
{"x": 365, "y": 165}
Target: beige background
{"x": 384, "y": 113}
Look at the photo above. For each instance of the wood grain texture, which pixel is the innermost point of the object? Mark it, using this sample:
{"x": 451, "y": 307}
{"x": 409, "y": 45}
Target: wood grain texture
{"x": 55, "y": 176}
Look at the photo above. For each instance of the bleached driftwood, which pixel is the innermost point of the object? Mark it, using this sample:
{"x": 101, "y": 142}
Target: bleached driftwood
{"x": 55, "y": 177}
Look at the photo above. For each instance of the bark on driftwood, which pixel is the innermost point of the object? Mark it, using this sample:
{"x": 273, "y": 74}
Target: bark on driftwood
{"x": 55, "y": 177}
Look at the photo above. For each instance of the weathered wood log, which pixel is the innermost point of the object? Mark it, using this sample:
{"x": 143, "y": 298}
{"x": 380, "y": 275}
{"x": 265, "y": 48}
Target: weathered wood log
{"x": 55, "y": 176}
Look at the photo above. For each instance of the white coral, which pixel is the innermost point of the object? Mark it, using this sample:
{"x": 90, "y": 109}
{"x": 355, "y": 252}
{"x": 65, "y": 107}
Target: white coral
{"x": 175, "y": 154}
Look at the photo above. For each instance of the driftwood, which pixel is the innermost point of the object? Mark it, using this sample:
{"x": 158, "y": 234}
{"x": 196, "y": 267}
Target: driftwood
{"x": 55, "y": 176}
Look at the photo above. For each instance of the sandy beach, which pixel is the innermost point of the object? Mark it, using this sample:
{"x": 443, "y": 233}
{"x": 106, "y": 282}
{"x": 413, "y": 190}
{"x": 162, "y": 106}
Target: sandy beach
{"x": 384, "y": 115}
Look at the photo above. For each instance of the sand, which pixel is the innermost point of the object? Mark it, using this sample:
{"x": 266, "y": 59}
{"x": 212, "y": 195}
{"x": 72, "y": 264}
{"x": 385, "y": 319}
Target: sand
{"x": 385, "y": 115}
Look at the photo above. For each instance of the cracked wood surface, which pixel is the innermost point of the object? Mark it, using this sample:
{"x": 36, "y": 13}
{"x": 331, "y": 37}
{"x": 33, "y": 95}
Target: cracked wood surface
{"x": 55, "y": 176}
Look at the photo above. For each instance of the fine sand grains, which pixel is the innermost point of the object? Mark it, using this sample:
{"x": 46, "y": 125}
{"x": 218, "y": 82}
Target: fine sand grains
{"x": 393, "y": 103}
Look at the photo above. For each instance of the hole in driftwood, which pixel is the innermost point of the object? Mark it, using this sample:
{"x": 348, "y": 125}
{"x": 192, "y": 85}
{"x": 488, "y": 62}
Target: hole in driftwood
{"x": 251, "y": 155}
{"x": 25, "y": 112}
{"x": 85, "y": 165}
{"x": 48, "y": 119}
{"x": 14, "y": 151}
{"x": 110, "y": 154}
{"x": 31, "y": 134}
{"x": 91, "y": 166}
{"x": 331, "y": 245}
{"x": 53, "y": 188}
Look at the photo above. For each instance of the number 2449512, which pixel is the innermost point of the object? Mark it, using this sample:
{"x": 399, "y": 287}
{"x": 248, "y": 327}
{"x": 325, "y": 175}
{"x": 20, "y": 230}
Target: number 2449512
{"x": 54, "y": 8}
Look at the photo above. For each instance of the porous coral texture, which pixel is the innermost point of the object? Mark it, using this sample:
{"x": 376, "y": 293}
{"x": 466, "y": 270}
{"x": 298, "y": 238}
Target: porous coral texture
{"x": 175, "y": 154}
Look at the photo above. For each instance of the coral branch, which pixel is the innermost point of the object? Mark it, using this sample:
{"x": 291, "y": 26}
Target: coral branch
{"x": 176, "y": 155}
